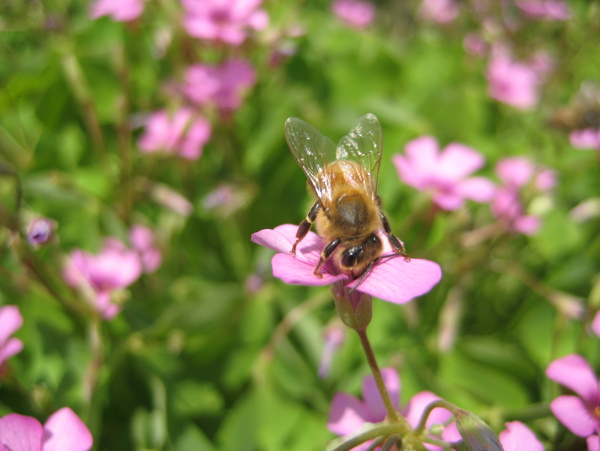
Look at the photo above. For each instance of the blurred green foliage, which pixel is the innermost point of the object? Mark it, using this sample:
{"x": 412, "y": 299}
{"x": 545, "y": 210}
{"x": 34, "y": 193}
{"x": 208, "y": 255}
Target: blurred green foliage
{"x": 199, "y": 361}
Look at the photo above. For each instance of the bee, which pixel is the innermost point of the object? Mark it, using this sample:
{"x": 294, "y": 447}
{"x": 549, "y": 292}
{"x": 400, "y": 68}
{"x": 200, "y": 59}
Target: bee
{"x": 582, "y": 113}
{"x": 343, "y": 179}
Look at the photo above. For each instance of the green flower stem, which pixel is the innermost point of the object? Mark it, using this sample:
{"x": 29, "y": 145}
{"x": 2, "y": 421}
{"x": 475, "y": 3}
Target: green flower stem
{"x": 392, "y": 414}
{"x": 379, "y": 431}
{"x": 439, "y": 403}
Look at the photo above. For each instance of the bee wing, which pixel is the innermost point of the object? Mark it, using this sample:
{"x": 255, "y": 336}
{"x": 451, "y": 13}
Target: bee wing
{"x": 364, "y": 145}
{"x": 313, "y": 152}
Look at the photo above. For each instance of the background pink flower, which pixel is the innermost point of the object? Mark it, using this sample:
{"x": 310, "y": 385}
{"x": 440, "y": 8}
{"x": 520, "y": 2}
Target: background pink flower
{"x": 521, "y": 180}
{"x": 183, "y": 133}
{"x": 588, "y": 138}
{"x": 114, "y": 268}
{"x": 223, "y": 20}
{"x": 393, "y": 280}
{"x": 515, "y": 83}
{"x": 63, "y": 431}
{"x": 440, "y": 11}
{"x": 354, "y": 13}
{"x": 348, "y": 413}
{"x": 518, "y": 437}
{"x": 119, "y": 10}
{"x": 222, "y": 86}
{"x": 142, "y": 240}
{"x": 11, "y": 320}
{"x": 544, "y": 9}
{"x": 444, "y": 173}
{"x": 579, "y": 412}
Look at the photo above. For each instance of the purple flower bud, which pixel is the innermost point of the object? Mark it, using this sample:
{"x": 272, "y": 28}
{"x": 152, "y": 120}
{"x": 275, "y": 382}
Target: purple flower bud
{"x": 41, "y": 231}
{"x": 476, "y": 435}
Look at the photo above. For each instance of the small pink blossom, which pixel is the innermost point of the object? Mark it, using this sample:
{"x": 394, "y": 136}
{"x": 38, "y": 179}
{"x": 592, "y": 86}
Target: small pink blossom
{"x": 10, "y": 321}
{"x": 515, "y": 83}
{"x": 348, "y": 414}
{"x": 183, "y": 133}
{"x": 580, "y": 413}
{"x": 588, "y": 138}
{"x": 354, "y": 13}
{"x": 63, "y": 431}
{"x": 519, "y": 175}
{"x": 593, "y": 443}
{"x": 518, "y": 437}
{"x": 222, "y": 86}
{"x": 440, "y": 11}
{"x": 475, "y": 44}
{"x": 119, "y": 10}
{"x": 223, "y": 20}
{"x": 142, "y": 240}
{"x": 333, "y": 338}
{"x": 393, "y": 280}
{"x": 444, "y": 173}
{"x": 544, "y": 9}
{"x": 99, "y": 275}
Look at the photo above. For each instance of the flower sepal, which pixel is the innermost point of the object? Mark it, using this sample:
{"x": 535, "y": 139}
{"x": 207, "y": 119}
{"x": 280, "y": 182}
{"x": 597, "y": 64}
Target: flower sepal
{"x": 354, "y": 308}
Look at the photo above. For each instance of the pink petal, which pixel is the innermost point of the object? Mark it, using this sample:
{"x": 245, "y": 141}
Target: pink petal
{"x": 574, "y": 372}
{"x": 20, "y": 433}
{"x": 593, "y": 443}
{"x": 527, "y": 225}
{"x": 416, "y": 406}
{"x": 457, "y": 161}
{"x": 448, "y": 201}
{"x": 279, "y": 239}
{"x": 517, "y": 437}
{"x": 292, "y": 270}
{"x": 574, "y": 414}
{"x": 515, "y": 171}
{"x": 10, "y": 321}
{"x": 12, "y": 347}
{"x": 372, "y": 397}
{"x": 585, "y": 139}
{"x": 479, "y": 189}
{"x": 64, "y": 431}
{"x": 422, "y": 153}
{"x": 398, "y": 281}
{"x": 347, "y": 414}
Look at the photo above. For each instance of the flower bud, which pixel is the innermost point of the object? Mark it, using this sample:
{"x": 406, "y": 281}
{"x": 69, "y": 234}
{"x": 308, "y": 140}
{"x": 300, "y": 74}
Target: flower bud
{"x": 355, "y": 308}
{"x": 476, "y": 435}
{"x": 41, "y": 231}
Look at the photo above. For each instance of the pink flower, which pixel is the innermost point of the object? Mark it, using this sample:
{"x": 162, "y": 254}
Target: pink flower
{"x": 444, "y": 174}
{"x": 223, "y": 20}
{"x": 348, "y": 413}
{"x": 221, "y": 86}
{"x": 354, "y": 13}
{"x": 588, "y": 138}
{"x": 119, "y": 10}
{"x": 593, "y": 443}
{"x": 10, "y": 321}
{"x": 518, "y": 437}
{"x": 515, "y": 83}
{"x": 519, "y": 175}
{"x": 142, "y": 240}
{"x": 581, "y": 413}
{"x": 544, "y": 9}
{"x": 63, "y": 431}
{"x": 393, "y": 280}
{"x": 440, "y": 11}
{"x": 98, "y": 276}
{"x": 333, "y": 338}
{"x": 183, "y": 133}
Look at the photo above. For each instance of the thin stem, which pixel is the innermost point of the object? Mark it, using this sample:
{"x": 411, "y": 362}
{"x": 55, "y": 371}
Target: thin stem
{"x": 366, "y": 344}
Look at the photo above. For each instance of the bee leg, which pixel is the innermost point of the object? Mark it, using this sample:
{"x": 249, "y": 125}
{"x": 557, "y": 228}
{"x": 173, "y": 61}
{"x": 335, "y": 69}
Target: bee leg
{"x": 305, "y": 225}
{"x": 394, "y": 241}
{"x": 325, "y": 254}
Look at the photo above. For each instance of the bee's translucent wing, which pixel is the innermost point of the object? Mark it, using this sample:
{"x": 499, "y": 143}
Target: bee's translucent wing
{"x": 313, "y": 152}
{"x": 364, "y": 145}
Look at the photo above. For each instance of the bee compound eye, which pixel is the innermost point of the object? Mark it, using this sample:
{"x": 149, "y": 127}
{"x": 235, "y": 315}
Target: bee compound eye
{"x": 351, "y": 256}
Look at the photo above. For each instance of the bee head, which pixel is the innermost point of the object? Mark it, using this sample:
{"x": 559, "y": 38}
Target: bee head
{"x": 356, "y": 259}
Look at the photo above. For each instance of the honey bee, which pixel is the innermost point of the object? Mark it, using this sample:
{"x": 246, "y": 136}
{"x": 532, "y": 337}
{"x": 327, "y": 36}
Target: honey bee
{"x": 347, "y": 210}
{"x": 582, "y": 113}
